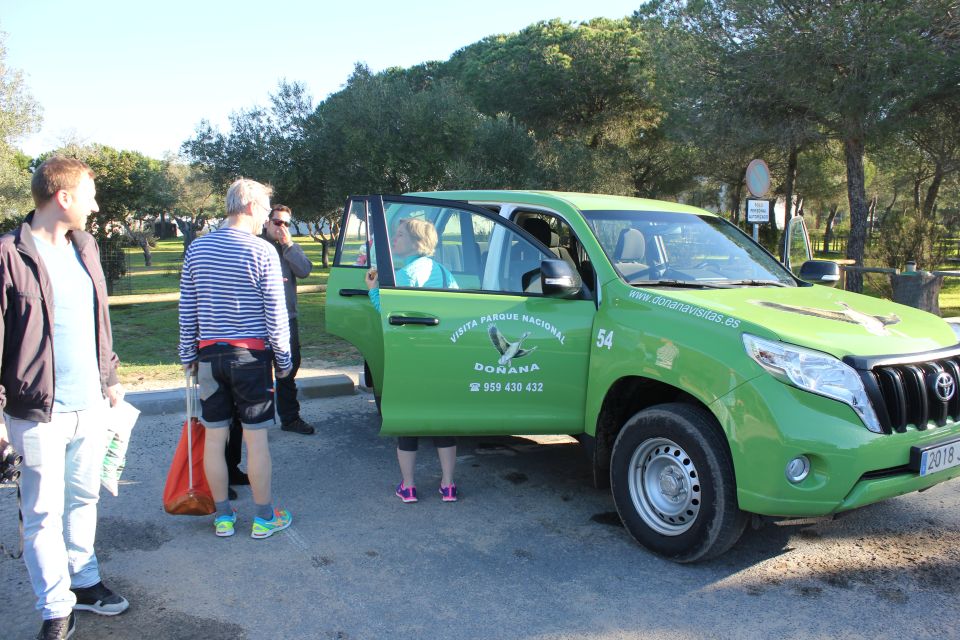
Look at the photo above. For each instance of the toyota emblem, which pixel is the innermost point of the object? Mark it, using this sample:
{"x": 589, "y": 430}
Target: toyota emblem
{"x": 944, "y": 386}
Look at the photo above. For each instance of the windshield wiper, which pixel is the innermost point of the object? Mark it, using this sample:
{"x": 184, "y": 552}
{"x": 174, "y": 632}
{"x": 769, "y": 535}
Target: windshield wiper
{"x": 756, "y": 283}
{"x": 689, "y": 284}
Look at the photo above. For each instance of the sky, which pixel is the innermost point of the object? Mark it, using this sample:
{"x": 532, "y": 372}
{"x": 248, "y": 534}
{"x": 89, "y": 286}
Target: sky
{"x": 142, "y": 75}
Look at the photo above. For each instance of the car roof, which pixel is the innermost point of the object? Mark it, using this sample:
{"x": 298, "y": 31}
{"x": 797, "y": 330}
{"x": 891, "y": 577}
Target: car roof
{"x": 582, "y": 201}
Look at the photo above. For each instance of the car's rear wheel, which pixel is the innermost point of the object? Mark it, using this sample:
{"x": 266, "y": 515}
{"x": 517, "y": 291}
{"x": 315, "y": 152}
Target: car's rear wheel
{"x": 673, "y": 483}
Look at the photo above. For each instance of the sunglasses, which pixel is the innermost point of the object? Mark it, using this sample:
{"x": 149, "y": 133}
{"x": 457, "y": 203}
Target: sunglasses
{"x": 280, "y": 223}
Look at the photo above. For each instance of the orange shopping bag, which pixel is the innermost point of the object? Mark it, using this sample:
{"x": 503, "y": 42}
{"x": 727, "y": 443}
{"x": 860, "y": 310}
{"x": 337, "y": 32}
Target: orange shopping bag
{"x": 186, "y": 492}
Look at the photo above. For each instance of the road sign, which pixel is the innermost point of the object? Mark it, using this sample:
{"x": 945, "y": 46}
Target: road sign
{"x": 758, "y": 211}
{"x": 758, "y": 178}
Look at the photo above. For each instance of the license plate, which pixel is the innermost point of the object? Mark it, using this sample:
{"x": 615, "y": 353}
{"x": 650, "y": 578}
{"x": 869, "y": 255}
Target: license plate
{"x": 935, "y": 457}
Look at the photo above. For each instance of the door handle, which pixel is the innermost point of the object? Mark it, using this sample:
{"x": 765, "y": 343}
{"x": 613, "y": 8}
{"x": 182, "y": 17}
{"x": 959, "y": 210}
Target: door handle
{"x": 346, "y": 293}
{"x": 400, "y": 320}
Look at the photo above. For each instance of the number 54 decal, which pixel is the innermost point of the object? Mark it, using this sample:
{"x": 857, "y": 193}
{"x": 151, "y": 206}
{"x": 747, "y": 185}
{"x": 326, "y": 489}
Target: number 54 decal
{"x": 605, "y": 338}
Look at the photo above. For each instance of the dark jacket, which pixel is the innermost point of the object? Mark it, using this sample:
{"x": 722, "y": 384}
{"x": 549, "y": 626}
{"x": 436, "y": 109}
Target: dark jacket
{"x": 294, "y": 264}
{"x": 26, "y": 362}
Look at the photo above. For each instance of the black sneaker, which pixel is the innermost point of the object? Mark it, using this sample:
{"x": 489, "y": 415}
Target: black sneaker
{"x": 100, "y": 600}
{"x": 57, "y": 628}
{"x": 298, "y": 426}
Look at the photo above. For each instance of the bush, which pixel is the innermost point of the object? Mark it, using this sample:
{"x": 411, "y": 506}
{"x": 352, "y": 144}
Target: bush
{"x": 908, "y": 236}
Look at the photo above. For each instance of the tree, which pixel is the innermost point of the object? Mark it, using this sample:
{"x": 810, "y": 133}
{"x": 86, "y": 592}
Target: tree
{"x": 19, "y": 116}
{"x": 855, "y": 69}
{"x": 193, "y": 197}
{"x": 587, "y": 93}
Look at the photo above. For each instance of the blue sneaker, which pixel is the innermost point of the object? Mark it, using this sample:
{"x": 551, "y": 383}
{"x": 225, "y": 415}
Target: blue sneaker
{"x": 265, "y": 528}
{"x": 407, "y": 494}
{"x": 224, "y": 525}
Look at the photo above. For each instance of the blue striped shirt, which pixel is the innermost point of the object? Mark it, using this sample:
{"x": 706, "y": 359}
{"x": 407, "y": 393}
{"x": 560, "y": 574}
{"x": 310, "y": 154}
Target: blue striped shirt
{"x": 231, "y": 287}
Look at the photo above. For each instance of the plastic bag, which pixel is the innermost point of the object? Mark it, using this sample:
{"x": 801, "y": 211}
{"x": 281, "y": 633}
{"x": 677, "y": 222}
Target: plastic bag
{"x": 122, "y": 418}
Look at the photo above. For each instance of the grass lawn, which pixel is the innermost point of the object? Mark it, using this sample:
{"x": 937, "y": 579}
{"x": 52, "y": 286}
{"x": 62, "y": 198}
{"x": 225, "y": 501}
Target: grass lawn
{"x": 145, "y": 335}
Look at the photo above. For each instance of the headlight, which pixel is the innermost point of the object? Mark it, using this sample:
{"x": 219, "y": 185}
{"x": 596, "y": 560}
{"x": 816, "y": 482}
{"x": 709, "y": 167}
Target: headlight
{"x": 813, "y": 371}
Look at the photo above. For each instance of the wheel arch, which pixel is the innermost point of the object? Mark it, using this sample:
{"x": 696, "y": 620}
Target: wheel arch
{"x": 623, "y": 399}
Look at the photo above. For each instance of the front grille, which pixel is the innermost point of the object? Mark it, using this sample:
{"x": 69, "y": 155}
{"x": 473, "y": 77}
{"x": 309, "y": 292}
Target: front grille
{"x": 910, "y": 390}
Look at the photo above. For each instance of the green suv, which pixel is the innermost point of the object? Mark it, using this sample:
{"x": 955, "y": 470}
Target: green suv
{"x": 706, "y": 381}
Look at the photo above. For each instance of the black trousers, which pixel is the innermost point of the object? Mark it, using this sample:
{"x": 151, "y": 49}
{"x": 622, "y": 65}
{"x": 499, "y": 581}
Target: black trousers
{"x": 288, "y": 407}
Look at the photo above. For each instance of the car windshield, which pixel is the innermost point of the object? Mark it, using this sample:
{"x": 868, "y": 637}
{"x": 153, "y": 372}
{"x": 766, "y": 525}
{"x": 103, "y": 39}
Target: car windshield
{"x": 650, "y": 248}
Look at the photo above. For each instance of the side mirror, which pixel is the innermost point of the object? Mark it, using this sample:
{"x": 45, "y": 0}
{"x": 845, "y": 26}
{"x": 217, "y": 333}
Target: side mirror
{"x": 558, "y": 280}
{"x": 823, "y": 272}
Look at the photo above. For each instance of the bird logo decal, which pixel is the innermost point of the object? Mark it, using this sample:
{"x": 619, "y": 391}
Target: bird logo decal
{"x": 877, "y": 325}
{"x": 508, "y": 350}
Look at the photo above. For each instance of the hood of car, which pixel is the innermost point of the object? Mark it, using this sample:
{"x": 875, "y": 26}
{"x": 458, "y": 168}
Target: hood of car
{"x": 833, "y": 321}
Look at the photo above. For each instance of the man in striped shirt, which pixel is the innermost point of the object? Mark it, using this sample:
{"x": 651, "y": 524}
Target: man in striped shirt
{"x": 233, "y": 330}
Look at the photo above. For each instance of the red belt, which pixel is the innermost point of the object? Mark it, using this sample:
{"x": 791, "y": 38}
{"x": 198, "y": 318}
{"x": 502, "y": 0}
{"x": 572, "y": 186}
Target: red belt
{"x": 254, "y": 344}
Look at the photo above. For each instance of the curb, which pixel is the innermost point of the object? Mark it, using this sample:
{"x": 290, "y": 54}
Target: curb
{"x": 174, "y": 400}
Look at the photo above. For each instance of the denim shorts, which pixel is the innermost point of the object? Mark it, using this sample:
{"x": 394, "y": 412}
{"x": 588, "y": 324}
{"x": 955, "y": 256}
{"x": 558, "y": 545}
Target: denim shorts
{"x": 230, "y": 377}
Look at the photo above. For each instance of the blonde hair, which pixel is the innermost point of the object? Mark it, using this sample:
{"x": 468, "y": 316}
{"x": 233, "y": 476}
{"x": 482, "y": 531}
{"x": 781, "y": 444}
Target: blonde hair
{"x": 423, "y": 234}
{"x": 244, "y": 191}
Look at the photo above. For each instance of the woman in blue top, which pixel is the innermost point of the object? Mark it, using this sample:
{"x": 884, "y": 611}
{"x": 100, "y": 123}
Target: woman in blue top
{"x": 413, "y": 243}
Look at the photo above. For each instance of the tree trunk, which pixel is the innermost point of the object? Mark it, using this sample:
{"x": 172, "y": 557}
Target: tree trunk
{"x": 324, "y": 256}
{"x": 932, "y": 191}
{"x": 828, "y": 232}
{"x": 147, "y": 253}
{"x": 737, "y": 192}
{"x": 853, "y": 148}
{"x": 189, "y": 230}
{"x": 788, "y": 187}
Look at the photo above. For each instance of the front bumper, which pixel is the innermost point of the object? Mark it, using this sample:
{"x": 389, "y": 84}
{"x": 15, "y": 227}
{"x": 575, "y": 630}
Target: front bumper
{"x": 768, "y": 423}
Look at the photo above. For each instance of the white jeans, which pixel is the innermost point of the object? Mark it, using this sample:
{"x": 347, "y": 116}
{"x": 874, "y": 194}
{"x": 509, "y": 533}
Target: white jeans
{"x": 60, "y": 487}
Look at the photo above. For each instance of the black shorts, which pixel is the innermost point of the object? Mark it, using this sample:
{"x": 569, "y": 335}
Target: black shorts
{"x": 231, "y": 377}
{"x": 411, "y": 443}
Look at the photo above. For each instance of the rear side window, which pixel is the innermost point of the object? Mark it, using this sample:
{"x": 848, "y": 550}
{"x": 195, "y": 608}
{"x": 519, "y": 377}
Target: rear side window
{"x": 355, "y": 247}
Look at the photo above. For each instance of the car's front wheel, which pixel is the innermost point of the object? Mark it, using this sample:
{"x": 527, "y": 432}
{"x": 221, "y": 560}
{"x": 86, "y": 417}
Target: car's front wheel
{"x": 673, "y": 483}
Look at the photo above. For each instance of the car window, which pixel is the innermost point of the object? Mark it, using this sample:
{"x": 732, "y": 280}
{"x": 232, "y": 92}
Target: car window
{"x": 556, "y": 233}
{"x": 480, "y": 252}
{"x": 651, "y": 245}
{"x": 354, "y": 248}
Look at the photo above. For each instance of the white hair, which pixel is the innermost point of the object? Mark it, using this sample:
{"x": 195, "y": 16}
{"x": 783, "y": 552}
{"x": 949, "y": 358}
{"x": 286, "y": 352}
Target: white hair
{"x": 244, "y": 191}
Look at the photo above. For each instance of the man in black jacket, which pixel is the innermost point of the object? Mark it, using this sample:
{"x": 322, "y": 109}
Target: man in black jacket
{"x": 57, "y": 379}
{"x": 295, "y": 264}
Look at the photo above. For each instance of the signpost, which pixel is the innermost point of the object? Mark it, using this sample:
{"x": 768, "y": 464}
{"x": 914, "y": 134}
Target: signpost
{"x": 757, "y": 178}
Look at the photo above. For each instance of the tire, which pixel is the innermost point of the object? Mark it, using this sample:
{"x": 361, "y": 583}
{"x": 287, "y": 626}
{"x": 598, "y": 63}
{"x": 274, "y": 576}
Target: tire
{"x": 673, "y": 483}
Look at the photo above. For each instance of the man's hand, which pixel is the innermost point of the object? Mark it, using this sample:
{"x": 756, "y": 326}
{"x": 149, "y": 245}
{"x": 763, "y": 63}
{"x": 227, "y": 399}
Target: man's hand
{"x": 190, "y": 368}
{"x": 115, "y": 394}
{"x": 283, "y": 373}
{"x": 4, "y": 438}
{"x": 284, "y": 237}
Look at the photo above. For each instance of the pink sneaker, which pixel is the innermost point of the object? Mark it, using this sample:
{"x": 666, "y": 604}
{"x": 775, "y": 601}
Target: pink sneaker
{"x": 407, "y": 494}
{"x": 448, "y": 494}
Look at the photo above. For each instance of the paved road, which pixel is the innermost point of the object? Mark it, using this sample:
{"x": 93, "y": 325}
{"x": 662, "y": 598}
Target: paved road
{"x": 531, "y": 552}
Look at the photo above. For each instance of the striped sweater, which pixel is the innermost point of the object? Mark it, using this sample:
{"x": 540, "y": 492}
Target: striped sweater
{"x": 230, "y": 288}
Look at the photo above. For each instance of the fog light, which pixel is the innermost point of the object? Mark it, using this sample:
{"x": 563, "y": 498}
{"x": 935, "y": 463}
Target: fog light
{"x": 798, "y": 469}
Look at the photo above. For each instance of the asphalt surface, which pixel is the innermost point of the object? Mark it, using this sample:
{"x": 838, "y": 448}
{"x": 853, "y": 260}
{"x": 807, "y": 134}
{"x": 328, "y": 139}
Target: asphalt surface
{"x": 531, "y": 551}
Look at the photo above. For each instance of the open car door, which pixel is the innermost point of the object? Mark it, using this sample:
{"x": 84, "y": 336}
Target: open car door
{"x": 484, "y": 339}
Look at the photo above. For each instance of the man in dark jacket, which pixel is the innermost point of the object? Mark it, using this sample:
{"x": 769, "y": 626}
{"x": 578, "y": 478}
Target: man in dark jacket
{"x": 295, "y": 264}
{"x": 57, "y": 378}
